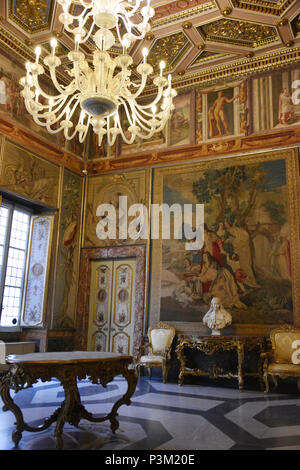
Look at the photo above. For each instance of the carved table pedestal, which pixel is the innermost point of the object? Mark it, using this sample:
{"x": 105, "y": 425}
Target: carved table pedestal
{"x": 99, "y": 368}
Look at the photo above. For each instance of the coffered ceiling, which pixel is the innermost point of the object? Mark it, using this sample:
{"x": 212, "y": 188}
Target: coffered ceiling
{"x": 200, "y": 40}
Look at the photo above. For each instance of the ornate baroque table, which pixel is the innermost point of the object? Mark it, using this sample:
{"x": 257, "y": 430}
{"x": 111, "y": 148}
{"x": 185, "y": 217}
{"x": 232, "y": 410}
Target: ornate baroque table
{"x": 211, "y": 344}
{"x": 67, "y": 367}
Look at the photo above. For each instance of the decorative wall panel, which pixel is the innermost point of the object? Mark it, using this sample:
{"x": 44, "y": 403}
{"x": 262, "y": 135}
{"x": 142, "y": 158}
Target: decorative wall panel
{"x": 36, "y": 286}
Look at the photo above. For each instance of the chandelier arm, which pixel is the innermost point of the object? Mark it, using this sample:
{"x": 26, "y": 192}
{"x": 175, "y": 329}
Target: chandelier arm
{"x": 60, "y": 89}
{"x": 118, "y": 32}
{"x": 141, "y": 87}
{"x": 36, "y": 84}
{"x": 87, "y": 37}
{"x": 154, "y": 102}
{"x": 82, "y": 136}
{"x": 127, "y": 141}
{"x": 124, "y": 103}
{"x": 77, "y": 17}
{"x": 58, "y": 118}
{"x": 84, "y": 4}
{"x": 124, "y": 75}
{"x": 111, "y": 138}
{"x": 143, "y": 123}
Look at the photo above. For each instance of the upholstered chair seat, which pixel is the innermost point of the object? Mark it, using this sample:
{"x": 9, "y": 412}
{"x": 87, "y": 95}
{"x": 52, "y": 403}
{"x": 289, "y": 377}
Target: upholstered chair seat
{"x": 160, "y": 339}
{"x": 152, "y": 358}
{"x": 278, "y": 362}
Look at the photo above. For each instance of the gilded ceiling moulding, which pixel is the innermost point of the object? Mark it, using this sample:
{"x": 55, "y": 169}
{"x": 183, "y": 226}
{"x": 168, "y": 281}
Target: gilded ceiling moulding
{"x": 184, "y": 14}
{"x": 239, "y": 69}
{"x": 33, "y": 16}
{"x": 20, "y": 49}
{"x": 261, "y": 6}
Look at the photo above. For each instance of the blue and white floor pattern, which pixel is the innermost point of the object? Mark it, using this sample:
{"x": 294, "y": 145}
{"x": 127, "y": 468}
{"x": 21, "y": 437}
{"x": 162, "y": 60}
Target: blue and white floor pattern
{"x": 162, "y": 417}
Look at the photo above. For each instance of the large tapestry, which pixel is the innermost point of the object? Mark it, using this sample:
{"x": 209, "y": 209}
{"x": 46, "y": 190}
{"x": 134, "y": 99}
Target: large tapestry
{"x": 28, "y": 175}
{"x": 251, "y": 241}
{"x": 107, "y": 189}
{"x": 68, "y": 253}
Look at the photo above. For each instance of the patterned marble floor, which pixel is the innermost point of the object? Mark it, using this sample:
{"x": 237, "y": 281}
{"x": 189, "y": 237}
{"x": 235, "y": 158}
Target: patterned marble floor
{"x": 163, "y": 417}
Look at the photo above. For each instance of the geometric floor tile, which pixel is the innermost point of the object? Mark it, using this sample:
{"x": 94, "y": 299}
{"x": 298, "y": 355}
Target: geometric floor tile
{"x": 283, "y": 415}
{"x": 162, "y": 417}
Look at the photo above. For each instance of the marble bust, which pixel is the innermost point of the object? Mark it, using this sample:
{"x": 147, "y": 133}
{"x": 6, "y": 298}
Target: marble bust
{"x": 217, "y": 317}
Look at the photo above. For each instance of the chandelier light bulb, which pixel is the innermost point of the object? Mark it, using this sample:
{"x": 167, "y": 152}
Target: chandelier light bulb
{"x": 37, "y": 54}
{"x": 162, "y": 65}
{"x": 100, "y": 90}
{"x": 53, "y": 44}
{"x": 145, "y": 52}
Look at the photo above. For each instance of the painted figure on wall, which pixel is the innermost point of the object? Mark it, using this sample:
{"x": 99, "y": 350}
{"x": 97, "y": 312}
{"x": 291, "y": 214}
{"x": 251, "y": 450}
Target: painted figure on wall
{"x": 222, "y": 112}
{"x": 273, "y": 105}
{"x": 245, "y": 260}
{"x": 217, "y": 117}
{"x": 286, "y": 108}
{"x": 181, "y": 120}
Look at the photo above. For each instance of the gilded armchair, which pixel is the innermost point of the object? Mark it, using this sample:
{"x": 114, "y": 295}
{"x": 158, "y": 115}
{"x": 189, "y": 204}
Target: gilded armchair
{"x": 160, "y": 339}
{"x": 278, "y": 362}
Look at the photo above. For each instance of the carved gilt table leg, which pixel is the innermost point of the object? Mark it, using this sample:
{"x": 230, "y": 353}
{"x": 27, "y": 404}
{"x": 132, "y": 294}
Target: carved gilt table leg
{"x": 240, "y": 351}
{"x": 131, "y": 378}
{"x": 11, "y": 406}
{"x": 71, "y": 410}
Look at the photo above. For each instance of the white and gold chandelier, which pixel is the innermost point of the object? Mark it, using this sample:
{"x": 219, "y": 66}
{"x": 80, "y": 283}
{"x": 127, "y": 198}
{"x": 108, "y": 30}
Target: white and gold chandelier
{"x": 101, "y": 87}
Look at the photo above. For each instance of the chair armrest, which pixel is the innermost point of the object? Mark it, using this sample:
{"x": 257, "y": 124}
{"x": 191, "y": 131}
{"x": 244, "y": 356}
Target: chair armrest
{"x": 266, "y": 357}
{"x": 144, "y": 346}
{"x": 167, "y": 353}
{"x": 141, "y": 348}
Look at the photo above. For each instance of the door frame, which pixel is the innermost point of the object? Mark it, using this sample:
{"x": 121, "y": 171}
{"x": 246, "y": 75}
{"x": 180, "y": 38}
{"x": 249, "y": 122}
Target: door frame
{"x": 97, "y": 254}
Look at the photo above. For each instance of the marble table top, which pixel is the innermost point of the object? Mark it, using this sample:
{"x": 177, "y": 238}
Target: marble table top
{"x": 72, "y": 356}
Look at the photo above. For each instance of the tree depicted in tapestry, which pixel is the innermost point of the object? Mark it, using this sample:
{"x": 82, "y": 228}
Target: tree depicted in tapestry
{"x": 245, "y": 260}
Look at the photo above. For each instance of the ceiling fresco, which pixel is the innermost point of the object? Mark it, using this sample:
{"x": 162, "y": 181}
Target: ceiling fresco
{"x": 199, "y": 40}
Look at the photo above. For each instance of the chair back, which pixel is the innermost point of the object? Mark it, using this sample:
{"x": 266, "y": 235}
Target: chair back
{"x": 282, "y": 340}
{"x": 161, "y": 337}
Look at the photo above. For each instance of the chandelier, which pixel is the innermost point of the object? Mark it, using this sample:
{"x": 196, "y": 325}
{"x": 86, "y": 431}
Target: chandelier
{"x": 100, "y": 92}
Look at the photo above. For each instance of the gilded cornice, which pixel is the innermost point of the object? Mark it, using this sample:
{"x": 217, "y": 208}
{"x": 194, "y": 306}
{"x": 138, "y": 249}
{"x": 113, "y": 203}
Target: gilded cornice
{"x": 265, "y": 7}
{"x": 240, "y": 68}
{"x": 191, "y": 13}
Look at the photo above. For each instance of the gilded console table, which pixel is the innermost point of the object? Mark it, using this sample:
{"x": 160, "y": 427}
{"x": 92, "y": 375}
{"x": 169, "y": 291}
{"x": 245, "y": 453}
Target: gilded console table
{"x": 67, "y": 367}
{"x": 211, "y": 344}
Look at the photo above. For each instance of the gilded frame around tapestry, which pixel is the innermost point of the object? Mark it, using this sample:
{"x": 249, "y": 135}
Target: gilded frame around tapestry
{"x": 275, "y": 205}
{"x": 102, "y": 189}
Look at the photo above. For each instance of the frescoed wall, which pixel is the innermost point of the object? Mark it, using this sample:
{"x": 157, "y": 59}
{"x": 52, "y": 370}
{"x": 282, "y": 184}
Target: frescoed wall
{"x": 273, "y": 106}
{"x": 220, "y": 117}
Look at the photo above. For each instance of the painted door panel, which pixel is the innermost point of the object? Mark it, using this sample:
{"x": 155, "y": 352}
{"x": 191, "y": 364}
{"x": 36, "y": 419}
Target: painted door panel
{"x": 111, "y": 310}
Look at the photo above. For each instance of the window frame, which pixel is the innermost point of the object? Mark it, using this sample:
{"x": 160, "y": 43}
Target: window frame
{"x": 12, "y": 206}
